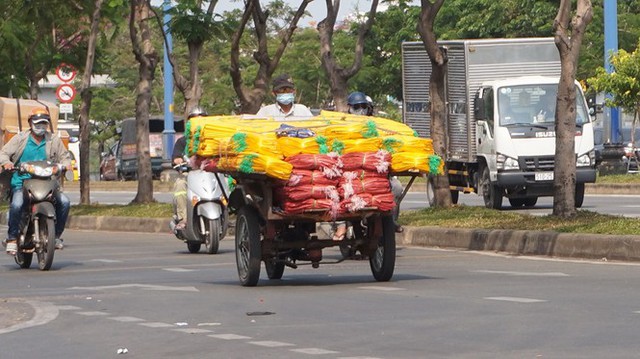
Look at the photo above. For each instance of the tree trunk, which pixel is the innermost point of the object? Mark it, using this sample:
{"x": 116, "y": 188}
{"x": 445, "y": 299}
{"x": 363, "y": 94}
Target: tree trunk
{"x": 251, "y": 98}
{"x": 568, "y": 38}
{"x": 437, "y": 97}
{"x": 85, "y": 107}
{"x": 148, "y": 60}
{"x": 339, "y": 76}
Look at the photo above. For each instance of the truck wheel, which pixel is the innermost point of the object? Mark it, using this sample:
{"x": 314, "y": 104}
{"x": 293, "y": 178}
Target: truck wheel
{"x": 455, "y": 195}
{"x": 248, "y": 246}
{"x": 516, "y": 202}
{"x": 491, "y": 193}
{"x": 431, "y": 190}
{"x": 579, "y": 194}
{"x": 383, "y": 260}
{"x": 274, "y": 269}
{"x": 530, "y": 202}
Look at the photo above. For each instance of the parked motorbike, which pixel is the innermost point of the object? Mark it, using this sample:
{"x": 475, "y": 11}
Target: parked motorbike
{"x": 207, "y": 212}
{"x": 37, "y": 225}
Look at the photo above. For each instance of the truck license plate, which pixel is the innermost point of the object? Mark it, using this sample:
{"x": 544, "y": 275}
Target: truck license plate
{"x": 544, "y": 176}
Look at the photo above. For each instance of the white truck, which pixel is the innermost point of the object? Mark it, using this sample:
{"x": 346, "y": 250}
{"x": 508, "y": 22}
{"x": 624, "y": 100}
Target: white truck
{"x": 500, "y": 130}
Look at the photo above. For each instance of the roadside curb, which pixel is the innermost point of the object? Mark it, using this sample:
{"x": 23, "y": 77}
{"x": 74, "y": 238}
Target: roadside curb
{"x": 541, "y": 243}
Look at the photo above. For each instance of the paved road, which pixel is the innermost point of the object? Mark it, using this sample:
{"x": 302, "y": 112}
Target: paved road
{"x": 111, "y": 291}
{"x": 625, "y": 205}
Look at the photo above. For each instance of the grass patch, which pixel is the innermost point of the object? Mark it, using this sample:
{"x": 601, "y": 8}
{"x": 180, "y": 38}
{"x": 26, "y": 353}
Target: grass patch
{"x": 151, "y": 210}
{"x": 479, "y": 217}
{"x": 630, "y": 178}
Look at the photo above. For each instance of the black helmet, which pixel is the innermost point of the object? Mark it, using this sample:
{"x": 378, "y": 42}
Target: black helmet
{"x": 197, "y": 112}
{"x": 356, "y": 98}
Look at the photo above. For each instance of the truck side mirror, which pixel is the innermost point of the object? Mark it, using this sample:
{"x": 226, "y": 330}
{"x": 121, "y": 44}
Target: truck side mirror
{"x": 478, "y": 108}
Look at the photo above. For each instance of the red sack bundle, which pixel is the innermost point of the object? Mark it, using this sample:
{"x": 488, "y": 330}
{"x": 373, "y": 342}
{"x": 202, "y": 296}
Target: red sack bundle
{"x": 306, "y": 177}
{"x": 330, "y": 165}
{"x": 371, "y": 161}
{"x": 300, "y": 193}
{"x": 296, "y": 207}
{"x": 371, "y": 185}
{"x": 383, "y": 202}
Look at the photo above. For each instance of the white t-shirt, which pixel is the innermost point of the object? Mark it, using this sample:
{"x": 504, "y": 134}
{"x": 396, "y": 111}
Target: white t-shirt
{"x": 275, "y": 111}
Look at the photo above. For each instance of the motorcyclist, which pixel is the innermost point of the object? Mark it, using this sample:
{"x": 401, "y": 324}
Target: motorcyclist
{"x": 359, "y": 104}
{"x": 180, "y": 186}
{"x": 35, "y": 144}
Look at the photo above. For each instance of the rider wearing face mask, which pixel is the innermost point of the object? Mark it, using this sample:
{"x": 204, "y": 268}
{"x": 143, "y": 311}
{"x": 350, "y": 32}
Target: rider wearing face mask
{"x": 36, "y": 144}
{"x": 285, "y": 92}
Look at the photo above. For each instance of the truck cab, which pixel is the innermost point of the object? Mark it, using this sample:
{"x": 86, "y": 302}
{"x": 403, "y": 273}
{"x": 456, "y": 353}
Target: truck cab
{"x": 515, "y": 135}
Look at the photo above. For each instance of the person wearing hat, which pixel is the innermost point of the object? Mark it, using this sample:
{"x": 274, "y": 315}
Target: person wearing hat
{"x": 285, "y": 92}
{"x": 35, "y": 144}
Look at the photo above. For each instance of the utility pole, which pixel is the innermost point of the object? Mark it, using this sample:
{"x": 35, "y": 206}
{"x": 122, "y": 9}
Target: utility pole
{"x": 611, "y": 114}
{"x": 169, "y": 131}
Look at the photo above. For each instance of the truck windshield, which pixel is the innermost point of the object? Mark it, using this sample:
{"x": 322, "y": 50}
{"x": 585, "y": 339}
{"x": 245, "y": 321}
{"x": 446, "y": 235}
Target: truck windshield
{"x": 534, "y": 105}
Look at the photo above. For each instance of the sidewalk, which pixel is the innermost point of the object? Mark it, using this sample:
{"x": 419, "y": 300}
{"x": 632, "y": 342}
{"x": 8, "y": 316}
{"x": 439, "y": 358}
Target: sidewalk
{"x": 551, "y": 244}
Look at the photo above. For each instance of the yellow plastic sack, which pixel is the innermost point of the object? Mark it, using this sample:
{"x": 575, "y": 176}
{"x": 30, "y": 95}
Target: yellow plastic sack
{"x": 256, "y": 163}
{"x": 356, "y": 145}
{"x": 401, "y": 143}
{"x": 417, "y": 161}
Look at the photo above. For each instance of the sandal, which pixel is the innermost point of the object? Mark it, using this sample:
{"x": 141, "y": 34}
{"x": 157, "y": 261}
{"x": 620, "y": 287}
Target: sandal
{"x": 12, "y": 248}
{"x": 340, "y": 233}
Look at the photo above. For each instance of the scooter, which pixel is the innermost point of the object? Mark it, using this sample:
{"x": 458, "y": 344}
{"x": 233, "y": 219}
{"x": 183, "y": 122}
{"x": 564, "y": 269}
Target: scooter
{"x": 207, "y": 219}
{"x": 37, "y": 225}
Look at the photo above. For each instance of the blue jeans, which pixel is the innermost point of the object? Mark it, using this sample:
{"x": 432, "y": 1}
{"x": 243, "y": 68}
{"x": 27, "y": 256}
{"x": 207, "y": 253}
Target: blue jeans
{"x": 62, "y": 205}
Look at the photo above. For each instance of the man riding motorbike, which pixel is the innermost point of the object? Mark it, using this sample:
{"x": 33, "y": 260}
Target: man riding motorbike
{"x": 35, "y": 144}
{"x": 180, "y": 186}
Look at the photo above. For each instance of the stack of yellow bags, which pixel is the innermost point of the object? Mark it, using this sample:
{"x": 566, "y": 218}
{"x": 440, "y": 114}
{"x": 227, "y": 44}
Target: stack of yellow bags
{"x": 253, "y": 145}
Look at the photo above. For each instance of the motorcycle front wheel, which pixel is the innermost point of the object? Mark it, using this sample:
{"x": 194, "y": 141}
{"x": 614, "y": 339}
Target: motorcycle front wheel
{"x": 212, "y": 235}
{"x": 47, "y": 247}
{"x": 23, "y": 259}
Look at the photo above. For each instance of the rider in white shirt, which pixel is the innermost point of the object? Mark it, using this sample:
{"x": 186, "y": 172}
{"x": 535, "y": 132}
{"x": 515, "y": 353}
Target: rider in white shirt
{"x": 284, "y": 91}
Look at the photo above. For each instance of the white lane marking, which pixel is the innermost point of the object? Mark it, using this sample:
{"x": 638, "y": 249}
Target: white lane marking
{"x": 516, "y": 299}
{"x": 523, "y": 274}
{"x": 193, "y": 330}
{"x": 44, "y": 312}
{"x": 141, "y": 286}
{"x": 67, "y": 307}
{"x": 228, "y": 336}
{"x": 156, "y": 325}
{"x": 272, "y": 344}
{"x": 384, "y": 289}
{"x": 92, "y": 314}
{"x": 208, "y": 324}
{"x": 105, "y": 260}
{"x": 127, "y": 319}
{"x": 637, "y": 312}
{"x": 313, "y": 351}
{"x": 178, "y": 270}
{"x": 358, "y": 358}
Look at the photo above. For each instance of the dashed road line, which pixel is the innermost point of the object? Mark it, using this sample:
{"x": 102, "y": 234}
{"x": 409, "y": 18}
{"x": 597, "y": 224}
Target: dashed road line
{"x": 140, "y": 286}
{"x": 524, "y": 274}
{"x": 381, "y": 288}
{"x": 193, "y": 330}
{"x": 516, "y": 299}
{"x": 93, "y": 314}
{"x": 272, "y": 344}
{"x": 313, "y": 351}
{"x": 156, "y": 325}
{"x": 228, "y": 336}
{"x": 179, "y": 270}
{"x": 105, "y": 260}
{"x": 127, "y": 319}
{"x": 67, "y": 307}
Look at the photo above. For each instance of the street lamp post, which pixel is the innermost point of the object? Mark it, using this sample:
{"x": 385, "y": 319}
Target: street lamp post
{"x": 611, "y": 47}
{"x": 169, "y": 131}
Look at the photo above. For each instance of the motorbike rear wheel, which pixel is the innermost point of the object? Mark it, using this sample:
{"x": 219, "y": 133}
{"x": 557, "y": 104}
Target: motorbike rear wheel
{"x": 383, "y": 260}
{"x": 47, "y": 246}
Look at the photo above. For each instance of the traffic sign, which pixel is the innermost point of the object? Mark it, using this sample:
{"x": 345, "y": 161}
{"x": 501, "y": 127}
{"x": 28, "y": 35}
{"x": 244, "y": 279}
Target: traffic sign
{"x": 66, "y": 108}
{"x": 65, "y": 72}
{"x": 66, "y": 93}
